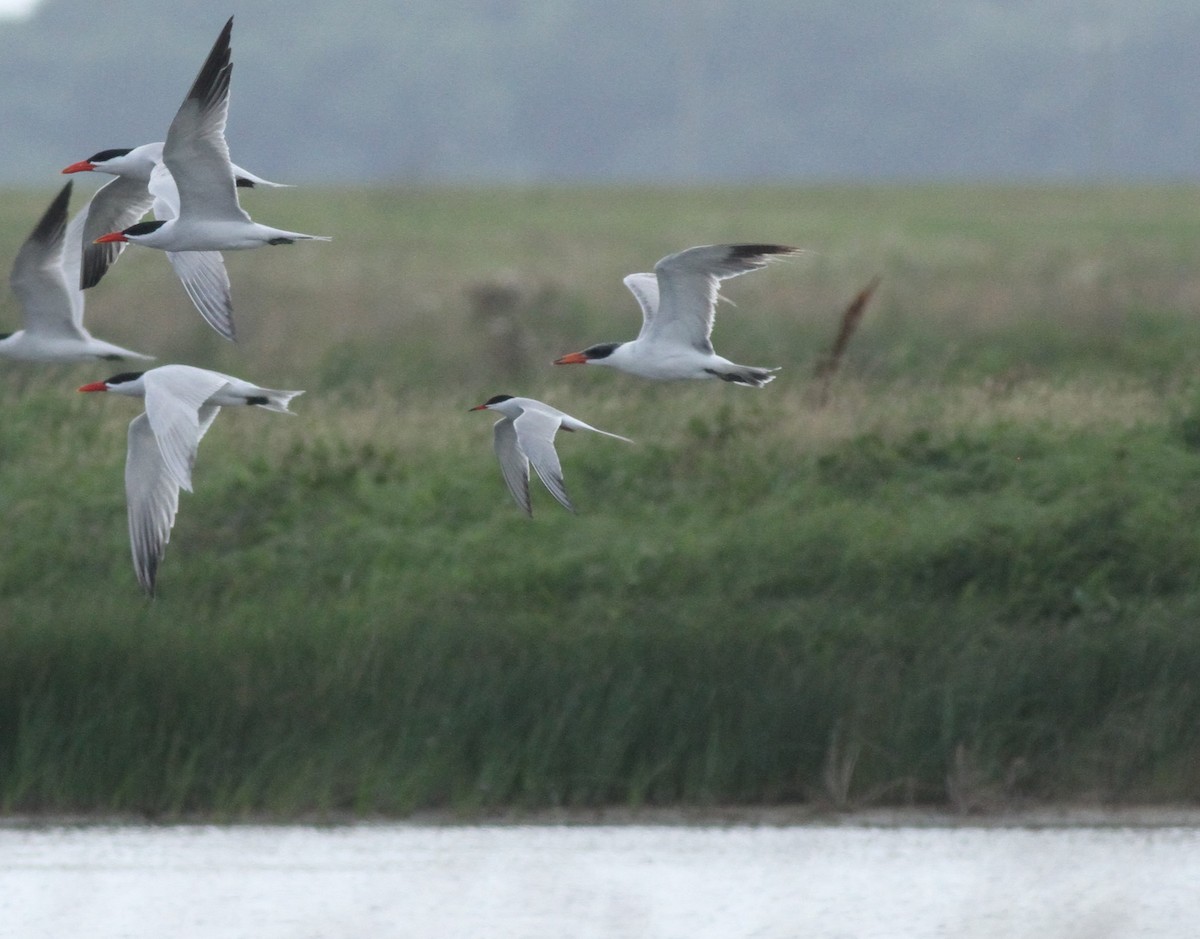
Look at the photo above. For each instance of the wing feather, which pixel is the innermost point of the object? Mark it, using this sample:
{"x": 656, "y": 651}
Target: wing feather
{"x": 38, "y": 279}
{"x": 206, "y": 281}
{"x": 152, "y": 497}
{"x": 535, "y": 436}
{"x": 513, "y": 464}
{"x": 688, "y": 283}
{"x": 195, "y": 150}
{"x": 644, "y": 288}
{"x": 115, "y": 206}
{"x": 175, "y": 407}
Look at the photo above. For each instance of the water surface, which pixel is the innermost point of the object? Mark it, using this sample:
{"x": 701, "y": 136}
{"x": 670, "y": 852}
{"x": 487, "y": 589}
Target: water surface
{"x": 578, "y": 882}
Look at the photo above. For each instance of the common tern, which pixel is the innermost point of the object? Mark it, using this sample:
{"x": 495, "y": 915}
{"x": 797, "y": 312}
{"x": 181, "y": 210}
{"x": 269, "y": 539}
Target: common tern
{"x": 195, "y": 196}
{"x": 181, "y": 403}
{"x": 524, "y": 435}
{"x": 45, "y": 281}
{"x": 678, "y": 304}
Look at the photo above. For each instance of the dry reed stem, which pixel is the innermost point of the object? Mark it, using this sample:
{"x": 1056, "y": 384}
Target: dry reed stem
{"x": 851, "y": 317}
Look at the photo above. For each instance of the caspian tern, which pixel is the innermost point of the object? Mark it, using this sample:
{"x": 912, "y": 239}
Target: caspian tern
{"x": 181, "y": 403}
{"x": 118, "y": 204}
{"x": 195, "y": 197}
{"x": 45, "y": 280}
{"x": 678, "y": 306}
{"x": 525, "y": 435}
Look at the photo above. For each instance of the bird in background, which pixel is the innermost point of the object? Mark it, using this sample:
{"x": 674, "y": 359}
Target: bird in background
{"x": 678, "y": 304}
{"x": 194, "y": 194}
{"x": 126, "y": 199}
{"x": 524, "y": 435}
{"x": 181, "y": 403}
{"x": 45, "y": 281}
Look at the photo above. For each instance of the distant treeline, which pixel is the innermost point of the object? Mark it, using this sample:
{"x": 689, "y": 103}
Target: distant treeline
{"x": 655, "y": 90}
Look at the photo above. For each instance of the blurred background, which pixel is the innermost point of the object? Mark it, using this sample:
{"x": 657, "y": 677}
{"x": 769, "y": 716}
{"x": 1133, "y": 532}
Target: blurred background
{"x": 658, "y": 91}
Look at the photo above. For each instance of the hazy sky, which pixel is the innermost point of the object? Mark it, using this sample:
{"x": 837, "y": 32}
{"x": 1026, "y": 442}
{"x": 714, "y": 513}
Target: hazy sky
{"x": 16, "y": 7}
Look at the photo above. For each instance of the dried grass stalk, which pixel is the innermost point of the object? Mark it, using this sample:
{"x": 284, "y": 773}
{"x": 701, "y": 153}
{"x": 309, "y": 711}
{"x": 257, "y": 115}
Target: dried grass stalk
{"x": 827, "y": 367}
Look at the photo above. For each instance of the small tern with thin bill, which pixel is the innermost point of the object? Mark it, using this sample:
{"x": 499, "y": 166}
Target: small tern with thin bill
{"x": 524, "y": 435}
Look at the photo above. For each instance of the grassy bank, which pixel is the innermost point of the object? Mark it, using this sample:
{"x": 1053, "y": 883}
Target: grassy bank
{"x": 970, "y": 580}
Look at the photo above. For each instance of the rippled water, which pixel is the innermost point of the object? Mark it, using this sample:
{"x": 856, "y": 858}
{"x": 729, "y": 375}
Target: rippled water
{"x": 505, "y": 882}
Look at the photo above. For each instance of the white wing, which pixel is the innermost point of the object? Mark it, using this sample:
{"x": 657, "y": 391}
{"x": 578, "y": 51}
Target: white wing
{"x": 206, "y": 281}
{"x": 195, "y": 150}
{"x": 38, "y": 279}
{"x": 644, "y": 288}
{"x": 535, "y": 437}
{"x": 247, "y": 180}
{"x": 175, "y": 396}
{"x": 152, "y": 497}
{"x": 72, "y": 262}
{"x": 202, "y": 273}
{"x": 513, "y": 464}
{"x": 688, "y": 282}
{"x": 115, "y": 206}
{"x": 164, "y": 194}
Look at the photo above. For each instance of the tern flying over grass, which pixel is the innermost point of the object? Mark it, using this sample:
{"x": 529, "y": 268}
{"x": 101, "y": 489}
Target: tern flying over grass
{"x": 118, "y": 204}
{"x": 196, "y": 208}
{"x": 678, "y": 306}
{"x": 45, "y": 281}
{"x": 524, "y": 436}
{"x": 181, "y": 404}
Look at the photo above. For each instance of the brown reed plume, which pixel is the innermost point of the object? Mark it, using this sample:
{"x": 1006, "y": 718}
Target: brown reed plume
{"x": 827, "y": 367}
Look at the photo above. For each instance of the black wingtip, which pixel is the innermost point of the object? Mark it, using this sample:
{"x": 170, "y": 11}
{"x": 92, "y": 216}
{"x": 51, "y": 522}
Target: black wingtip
{"x": 53, "y": 223}
{"x": 97, "y": 259}
{"x": 756, "y": 251}
{"x": 210, "y": 71}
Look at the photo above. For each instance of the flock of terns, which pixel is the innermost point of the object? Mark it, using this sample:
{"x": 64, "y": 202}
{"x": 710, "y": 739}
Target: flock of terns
{"x": 190, "y": 185}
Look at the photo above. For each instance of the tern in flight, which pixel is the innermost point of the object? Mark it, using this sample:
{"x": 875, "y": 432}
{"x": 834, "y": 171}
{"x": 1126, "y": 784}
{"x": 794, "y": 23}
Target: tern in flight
{"x": 524, "y": 435}
{"x": 678, "y": 306}
{"x": 181, "y": 403}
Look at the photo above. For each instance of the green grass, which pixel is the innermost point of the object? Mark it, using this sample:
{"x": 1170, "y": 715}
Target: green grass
{"x": 970, "y": 580}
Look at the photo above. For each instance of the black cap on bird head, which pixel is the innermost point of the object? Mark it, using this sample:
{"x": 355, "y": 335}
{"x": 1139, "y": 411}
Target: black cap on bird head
{"x": 144, "y": 228}
{"x": 124, "y": 377}
{"x": 494, "y": 399}
{"x": 105, "y": 155}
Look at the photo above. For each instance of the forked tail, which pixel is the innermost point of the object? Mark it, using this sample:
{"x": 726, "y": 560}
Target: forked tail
{"x": 273, "y": 400}
{"x": 745, "y": 375}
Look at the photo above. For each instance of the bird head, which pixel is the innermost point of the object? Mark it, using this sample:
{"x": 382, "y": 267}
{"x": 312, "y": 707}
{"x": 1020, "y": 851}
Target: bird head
{"x": 491, "y": 403}
{"x": 132, "y": 233}
{"x": 122, "y": 382}
{"x": 596, "y": 353}
{"x": 106, "y": 161}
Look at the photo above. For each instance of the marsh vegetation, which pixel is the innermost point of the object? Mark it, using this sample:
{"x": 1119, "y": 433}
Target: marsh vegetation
{"x": 970, "y": 578}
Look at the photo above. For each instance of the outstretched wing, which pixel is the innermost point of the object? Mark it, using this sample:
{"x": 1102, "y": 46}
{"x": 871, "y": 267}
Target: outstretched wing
{"x": 644, "y": 288}
{"x": 115, "y": 206}
{"x": 152, "y": 497}
{"x": 513, "y": 464}
{"x": 195, "y": 150}
{"x": 535, "y": 436}
{"x": 688, "y": 283}
{"x": 206, "y": 281}
{"x": 38, "y": 276}
{"x": 178, "y": 415}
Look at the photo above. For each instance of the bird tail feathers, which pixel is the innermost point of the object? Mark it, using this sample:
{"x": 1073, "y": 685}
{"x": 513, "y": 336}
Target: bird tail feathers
{"x": 746, "y": 375}
{"x": 277, "y": 400}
